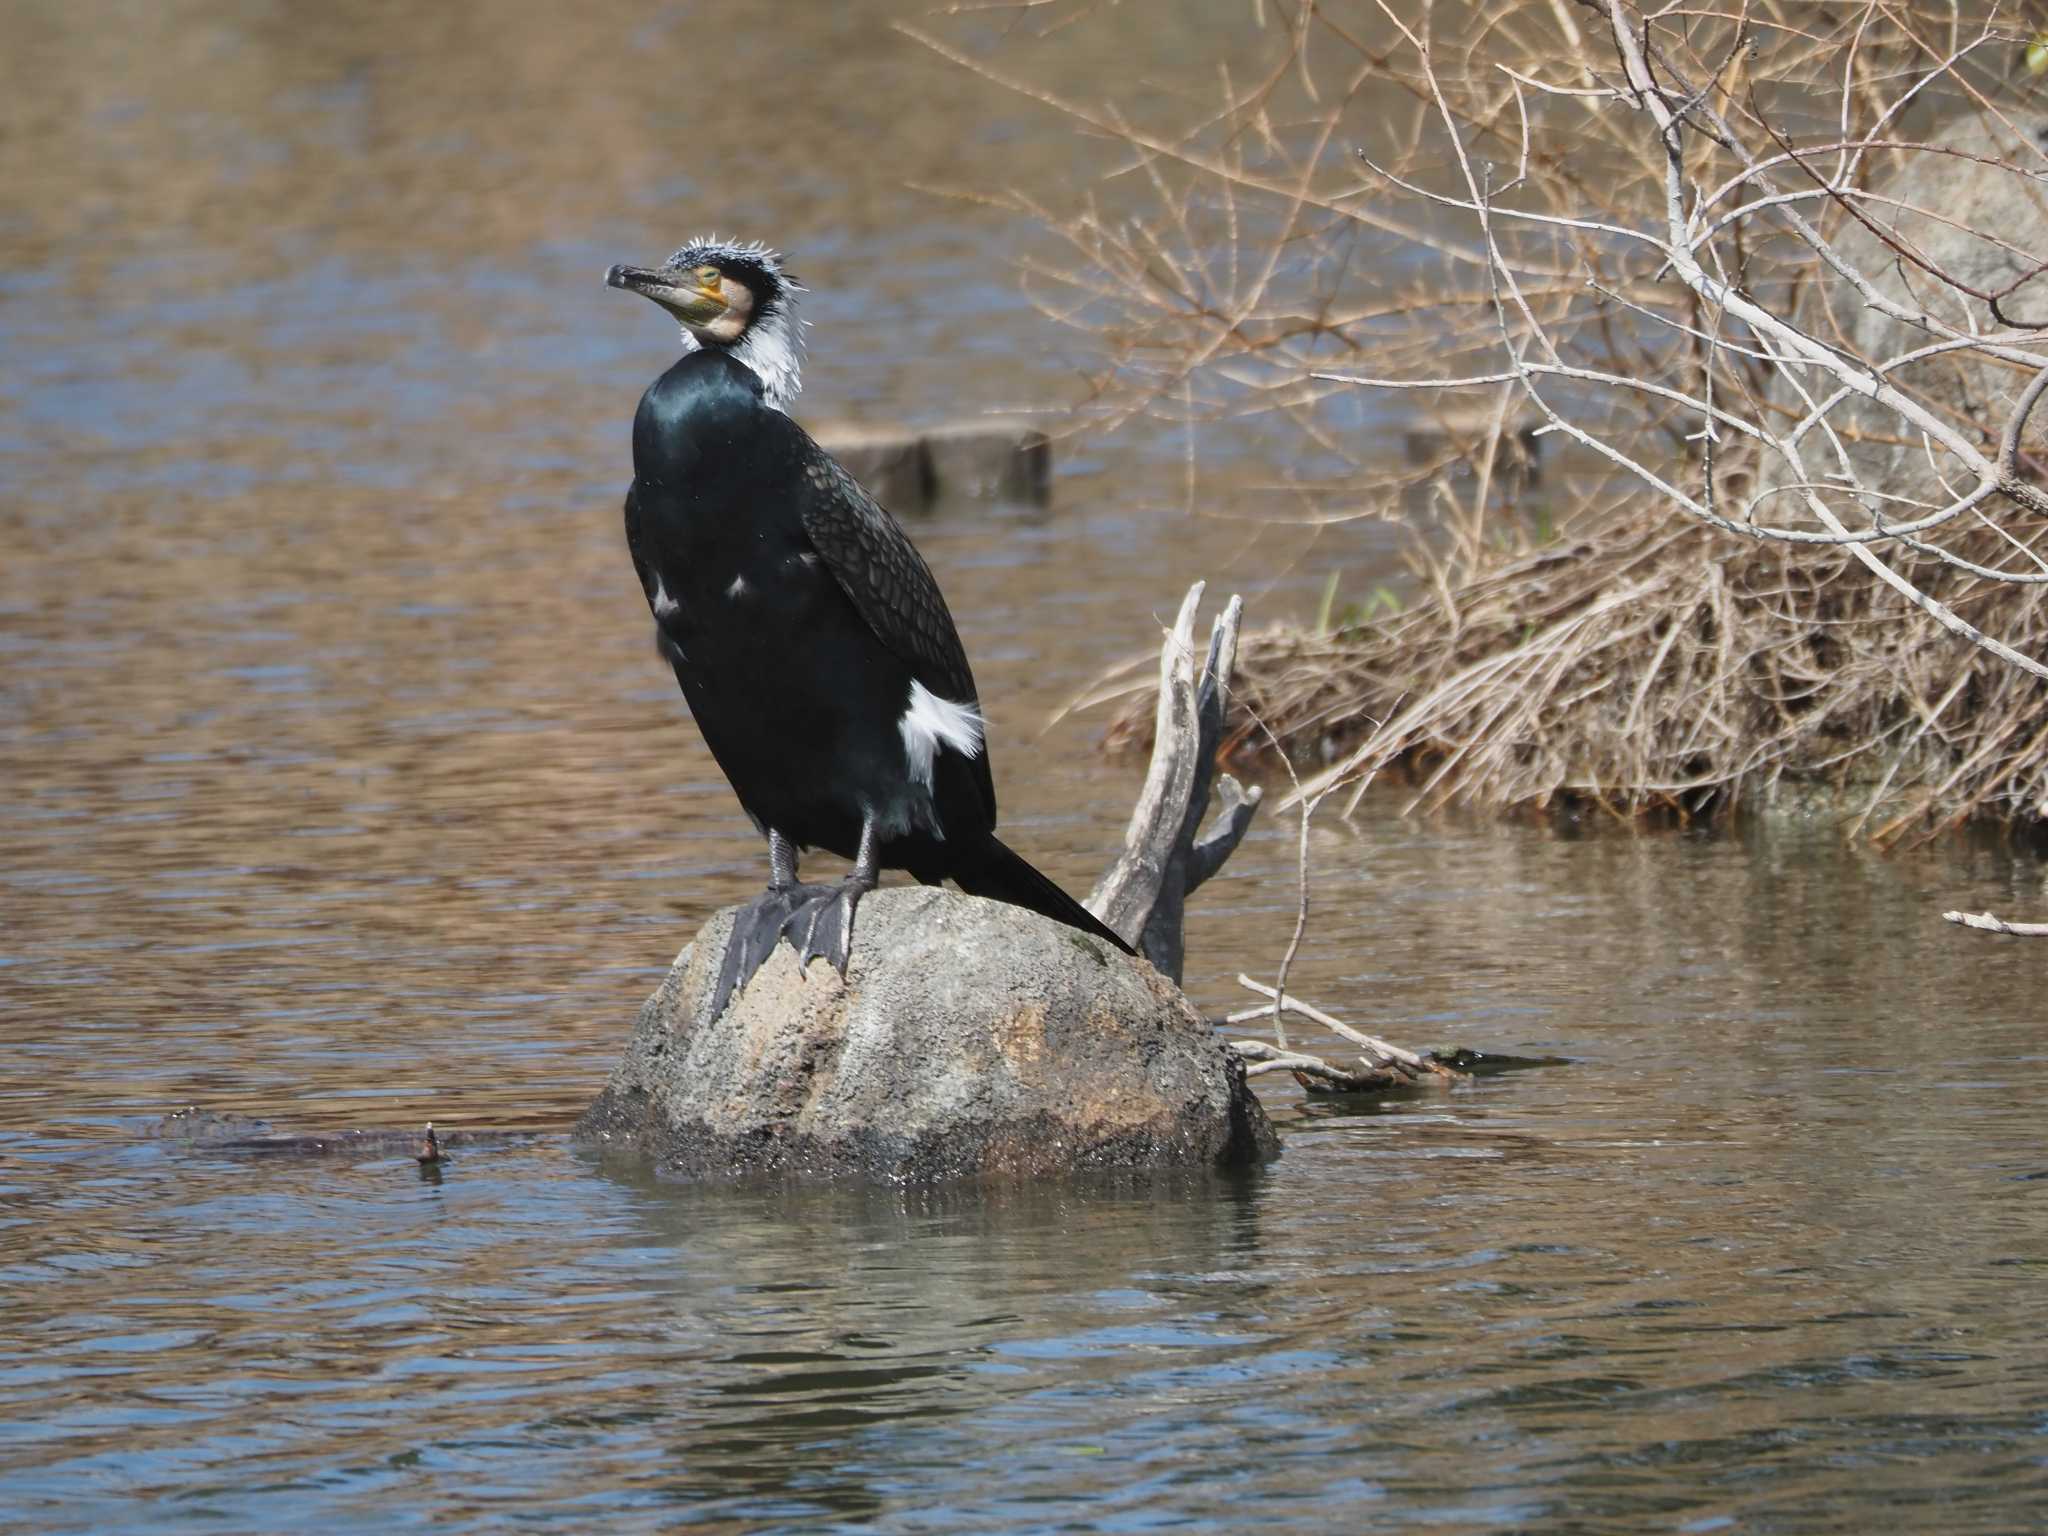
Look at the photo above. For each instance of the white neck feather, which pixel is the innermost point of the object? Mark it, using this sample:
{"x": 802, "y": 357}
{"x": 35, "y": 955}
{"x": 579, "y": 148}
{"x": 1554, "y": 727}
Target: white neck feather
{"x": 773, "y": 348}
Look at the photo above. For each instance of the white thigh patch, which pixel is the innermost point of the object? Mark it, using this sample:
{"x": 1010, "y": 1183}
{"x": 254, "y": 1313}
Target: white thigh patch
{"x": 931, "y": 722}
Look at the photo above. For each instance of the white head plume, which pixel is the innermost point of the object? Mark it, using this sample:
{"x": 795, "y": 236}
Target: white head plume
{"x": 769, "y": 340}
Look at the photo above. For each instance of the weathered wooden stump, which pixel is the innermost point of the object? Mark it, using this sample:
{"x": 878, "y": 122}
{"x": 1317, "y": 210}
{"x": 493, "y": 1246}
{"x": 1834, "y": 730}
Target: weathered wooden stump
{"x": 992, "y": 458}
{"x": 1474, "y": 431}
{"x": 890, "y": 463}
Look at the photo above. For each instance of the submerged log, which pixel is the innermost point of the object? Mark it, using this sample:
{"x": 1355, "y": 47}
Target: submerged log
{"x": 208, "y": 1131}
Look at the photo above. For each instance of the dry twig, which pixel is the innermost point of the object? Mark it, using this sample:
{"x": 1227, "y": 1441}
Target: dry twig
{"x": 1985, "y": 922}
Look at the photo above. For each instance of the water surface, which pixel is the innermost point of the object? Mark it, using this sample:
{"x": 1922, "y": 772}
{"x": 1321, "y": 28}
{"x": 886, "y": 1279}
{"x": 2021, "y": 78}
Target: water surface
{"x": 342, "y": 786}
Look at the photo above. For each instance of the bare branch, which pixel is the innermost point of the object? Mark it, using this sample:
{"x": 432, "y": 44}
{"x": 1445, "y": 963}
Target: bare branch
{"x": 1984, "y": 922}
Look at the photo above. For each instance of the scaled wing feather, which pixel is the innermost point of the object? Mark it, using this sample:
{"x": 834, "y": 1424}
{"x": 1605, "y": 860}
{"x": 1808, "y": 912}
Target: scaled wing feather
{"x": 885, "y": 577}
{"x": 891, "y": 588}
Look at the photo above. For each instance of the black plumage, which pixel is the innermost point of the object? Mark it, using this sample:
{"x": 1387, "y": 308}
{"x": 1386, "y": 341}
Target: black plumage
{"x": 808, "y": 635}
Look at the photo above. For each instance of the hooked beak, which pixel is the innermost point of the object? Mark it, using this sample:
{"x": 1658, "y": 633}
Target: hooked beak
{"x": 677, "y": 292}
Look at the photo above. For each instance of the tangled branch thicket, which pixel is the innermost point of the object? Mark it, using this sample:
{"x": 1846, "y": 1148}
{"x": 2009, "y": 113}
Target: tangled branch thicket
{"x": 1767, "y": 282}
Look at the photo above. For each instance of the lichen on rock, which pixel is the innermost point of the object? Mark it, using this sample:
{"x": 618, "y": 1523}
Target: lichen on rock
{"x": 968, "y": 1038}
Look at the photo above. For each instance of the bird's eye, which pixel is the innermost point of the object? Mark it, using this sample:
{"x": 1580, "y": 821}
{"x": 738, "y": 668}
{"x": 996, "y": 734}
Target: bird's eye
{"x": 708, "y": 276}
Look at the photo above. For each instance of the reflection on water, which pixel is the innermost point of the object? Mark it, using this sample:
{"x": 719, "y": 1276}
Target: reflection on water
{"x": 342, "y": 787}
{"x": 1757, "y": 1273}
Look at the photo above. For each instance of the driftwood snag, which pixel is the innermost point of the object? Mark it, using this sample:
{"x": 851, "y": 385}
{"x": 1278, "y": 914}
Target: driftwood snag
{"x": 1145, "y": 892}
{"x": 1383, "y": 1068}
{"x": 1144, "y": 895}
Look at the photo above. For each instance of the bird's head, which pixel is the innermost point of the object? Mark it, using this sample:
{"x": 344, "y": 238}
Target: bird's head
{"x": 731, "y": 296}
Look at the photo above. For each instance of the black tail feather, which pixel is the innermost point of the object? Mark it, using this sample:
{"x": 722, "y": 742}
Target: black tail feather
{"x": 994, "y": 871}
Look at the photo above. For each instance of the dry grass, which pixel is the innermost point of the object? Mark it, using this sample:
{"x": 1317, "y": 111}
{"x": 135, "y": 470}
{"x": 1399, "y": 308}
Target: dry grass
{"x": 1651, "y": 668}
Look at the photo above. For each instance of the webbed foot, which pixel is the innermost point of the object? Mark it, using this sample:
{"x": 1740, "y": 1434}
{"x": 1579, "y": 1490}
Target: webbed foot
{"x": 821, "y": 927}
{"x": 756, "y": 928}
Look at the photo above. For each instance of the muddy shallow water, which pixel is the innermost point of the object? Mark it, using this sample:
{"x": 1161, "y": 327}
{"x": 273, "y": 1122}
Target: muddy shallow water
{"x": 341, "y": 785}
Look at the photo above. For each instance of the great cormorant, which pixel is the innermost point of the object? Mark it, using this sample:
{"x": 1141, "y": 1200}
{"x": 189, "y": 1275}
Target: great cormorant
{"x": 807, "y": 633}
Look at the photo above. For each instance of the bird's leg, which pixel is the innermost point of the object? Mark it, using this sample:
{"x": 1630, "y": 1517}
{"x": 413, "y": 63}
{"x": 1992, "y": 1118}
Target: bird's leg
{"x": 757, "y": 925}
{"x": 822, "y": 927}
{"x": 781, "y": 861}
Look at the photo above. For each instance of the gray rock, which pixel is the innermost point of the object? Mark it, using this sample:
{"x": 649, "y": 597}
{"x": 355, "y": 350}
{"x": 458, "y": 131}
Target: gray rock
{"x": 969, "y": 1038}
